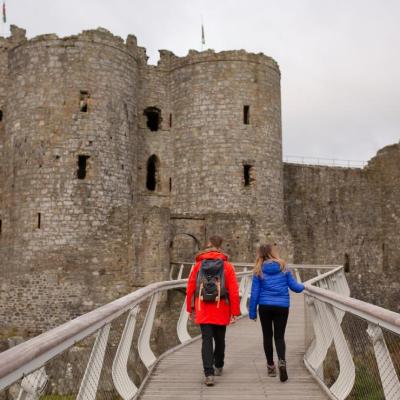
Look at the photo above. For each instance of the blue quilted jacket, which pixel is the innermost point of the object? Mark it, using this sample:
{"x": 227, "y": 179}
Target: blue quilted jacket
{"x": 272, "y": 288}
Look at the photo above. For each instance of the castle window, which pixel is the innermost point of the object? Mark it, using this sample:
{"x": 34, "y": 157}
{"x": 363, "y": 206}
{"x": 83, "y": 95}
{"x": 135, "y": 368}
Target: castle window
{"x": 170, "y": 120}
{"x": 247, "y": 174}
{"x": 39, "y": 217}
{"x": 246, "y": 115}
{"x": 83, "y": 101}
{"x": 170, "y": 184}
{"x": 1, "y": 115}
{"x": 153, "y": 115}
{"x": 82, "y": 164}
{"x": 346, "y": 262}
{"x": 152, "y": 173}
{"x": 1, "y": 226}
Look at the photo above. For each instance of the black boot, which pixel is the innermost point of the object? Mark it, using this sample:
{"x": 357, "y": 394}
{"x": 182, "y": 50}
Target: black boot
{"x": 282, "y": 371}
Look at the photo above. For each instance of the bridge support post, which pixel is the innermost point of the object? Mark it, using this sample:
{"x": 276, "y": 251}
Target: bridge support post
{"x": 345, "y": 381}
{"x": 181, "y": 327}
{"x": 123, "y": 383}
{"x": 387, "y": 372}
{"x": 245, "y": 295}
{"x": 90, "y": 381}
{"x": 145, "y": 352}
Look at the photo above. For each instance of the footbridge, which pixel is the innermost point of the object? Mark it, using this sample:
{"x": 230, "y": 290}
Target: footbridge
{"x": 142, "y": 346}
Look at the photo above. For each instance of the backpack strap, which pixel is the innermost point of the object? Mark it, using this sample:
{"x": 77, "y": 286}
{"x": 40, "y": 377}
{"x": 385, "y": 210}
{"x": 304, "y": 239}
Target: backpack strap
{"x": 198, "y": 281}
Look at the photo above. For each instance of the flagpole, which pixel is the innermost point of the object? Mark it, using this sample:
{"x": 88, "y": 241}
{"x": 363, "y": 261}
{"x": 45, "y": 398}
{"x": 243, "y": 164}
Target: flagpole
{"x": 203, "y": 38}
{"x": 3, "y": 18}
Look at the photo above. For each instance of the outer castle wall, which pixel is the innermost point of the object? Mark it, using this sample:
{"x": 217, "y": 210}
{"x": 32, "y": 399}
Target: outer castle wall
{"x": 68, "y": 245}
{"x": 350, "y": 217}
{"x": 67, "y": 238}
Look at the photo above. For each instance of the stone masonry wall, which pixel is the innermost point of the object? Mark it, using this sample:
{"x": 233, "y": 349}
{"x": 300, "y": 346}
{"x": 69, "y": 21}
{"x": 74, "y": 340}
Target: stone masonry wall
{"x": 350, "y": 217}
{"x": 68, "y": 245}
{"x": 213, "y": 144}
{"x": 69, "y": 235}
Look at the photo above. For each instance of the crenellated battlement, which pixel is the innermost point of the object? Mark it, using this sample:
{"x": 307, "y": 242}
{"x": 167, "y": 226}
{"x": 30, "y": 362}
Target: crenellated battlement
{"x": 169, "y": 60}
{"x": 99, "y": 36}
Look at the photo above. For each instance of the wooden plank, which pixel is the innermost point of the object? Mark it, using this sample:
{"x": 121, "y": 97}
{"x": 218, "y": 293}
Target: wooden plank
{"x": 180, "y": 375}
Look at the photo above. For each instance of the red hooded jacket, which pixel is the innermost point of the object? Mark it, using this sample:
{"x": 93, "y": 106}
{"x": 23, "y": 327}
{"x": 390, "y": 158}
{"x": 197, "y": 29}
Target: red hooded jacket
{"x": 210, "y": 313}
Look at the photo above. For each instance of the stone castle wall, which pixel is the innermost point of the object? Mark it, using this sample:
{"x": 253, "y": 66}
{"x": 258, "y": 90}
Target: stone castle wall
{"x": 351, "y": 217}
{"x": 75, "y": 242}
{"x": 69, "y": 243}
{"x": 69, "y": 235}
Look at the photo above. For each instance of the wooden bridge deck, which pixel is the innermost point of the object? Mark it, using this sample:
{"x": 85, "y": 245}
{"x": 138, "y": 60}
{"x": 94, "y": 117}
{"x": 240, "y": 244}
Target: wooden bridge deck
{"x": 179, "y": 375}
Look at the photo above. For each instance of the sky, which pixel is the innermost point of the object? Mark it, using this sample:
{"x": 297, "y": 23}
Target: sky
{"x": 339, "y": 59}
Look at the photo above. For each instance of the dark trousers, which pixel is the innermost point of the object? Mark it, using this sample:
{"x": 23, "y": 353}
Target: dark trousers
{"x": 273, "y": 322}
{"x": 211, "y": 356}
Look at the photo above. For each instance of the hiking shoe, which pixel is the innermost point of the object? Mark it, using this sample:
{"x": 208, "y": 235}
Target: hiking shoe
{"x": 271, "y": 370}
{"x": 282, "y": 371}
{"x": 209, "y": 381}
{"x": 218, "y": 371}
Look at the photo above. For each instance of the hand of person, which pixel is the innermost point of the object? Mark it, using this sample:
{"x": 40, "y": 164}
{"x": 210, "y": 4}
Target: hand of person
{"x": 192, "y": 316}
{"x": 233, "y": 319}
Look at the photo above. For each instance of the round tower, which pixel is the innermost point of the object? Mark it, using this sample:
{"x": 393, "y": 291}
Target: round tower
{"x": 228, "y": 144}
{"x": 70, "y": 120}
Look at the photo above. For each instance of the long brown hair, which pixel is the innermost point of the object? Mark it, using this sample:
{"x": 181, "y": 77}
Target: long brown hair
{"x": 267, "y": 252}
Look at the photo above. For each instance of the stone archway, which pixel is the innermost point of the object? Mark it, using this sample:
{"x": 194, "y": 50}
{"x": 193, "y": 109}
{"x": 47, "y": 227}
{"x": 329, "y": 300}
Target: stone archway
{"x": 184, "y": 246}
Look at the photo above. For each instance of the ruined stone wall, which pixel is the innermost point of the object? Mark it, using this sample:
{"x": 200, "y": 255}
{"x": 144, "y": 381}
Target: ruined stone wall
{"x": 154, "y": 92}
{"x": 326, "y": 215}
{"x": 78, "y": 256}
{"x": 351, "y": 217}
{"x": 384, "y": 170}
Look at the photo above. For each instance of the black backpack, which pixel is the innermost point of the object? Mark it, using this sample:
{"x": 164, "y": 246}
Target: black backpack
{"x": 210, "y": 283}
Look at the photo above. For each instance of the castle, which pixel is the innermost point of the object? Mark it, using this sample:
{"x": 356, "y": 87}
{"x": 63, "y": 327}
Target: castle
{"x": 111, "y": 168}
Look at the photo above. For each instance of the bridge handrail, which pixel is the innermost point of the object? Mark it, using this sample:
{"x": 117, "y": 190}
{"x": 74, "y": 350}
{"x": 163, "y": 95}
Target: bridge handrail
{"x": 177, "y": 267}
{"x": 328, "y": 302}
{"x": 251, "y": 265}
{"x": 58, "y": 339}
{"x": 30, "y": 355}
{"x": 380, "y": 316}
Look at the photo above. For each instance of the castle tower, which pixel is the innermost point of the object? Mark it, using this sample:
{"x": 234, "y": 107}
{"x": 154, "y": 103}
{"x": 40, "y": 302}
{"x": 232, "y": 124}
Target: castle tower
{"x": 226, "y": 111}
{"x": 70, "y": 171}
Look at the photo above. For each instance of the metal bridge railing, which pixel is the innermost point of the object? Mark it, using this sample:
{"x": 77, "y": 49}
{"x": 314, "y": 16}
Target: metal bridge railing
{"x": 329, "y": 162}
{"x": 181, "y": 269}
{"x": 101, "y": 354}
{"x": 353, "y": 348}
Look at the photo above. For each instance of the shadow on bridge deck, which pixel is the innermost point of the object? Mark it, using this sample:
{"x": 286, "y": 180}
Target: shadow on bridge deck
{"x": 179, "y": 375}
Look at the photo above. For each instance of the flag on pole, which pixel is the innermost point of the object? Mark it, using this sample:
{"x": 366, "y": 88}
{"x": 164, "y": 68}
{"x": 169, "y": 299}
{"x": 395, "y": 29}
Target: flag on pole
{"x": 4, "y": 12}
{"x": 203, "y": 38}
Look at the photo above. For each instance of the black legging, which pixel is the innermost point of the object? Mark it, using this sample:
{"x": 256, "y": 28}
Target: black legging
{"x": 273, "y": 322}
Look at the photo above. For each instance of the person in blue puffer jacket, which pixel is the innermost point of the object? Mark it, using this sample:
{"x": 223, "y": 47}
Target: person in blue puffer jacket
{"x": 270, "y": 292}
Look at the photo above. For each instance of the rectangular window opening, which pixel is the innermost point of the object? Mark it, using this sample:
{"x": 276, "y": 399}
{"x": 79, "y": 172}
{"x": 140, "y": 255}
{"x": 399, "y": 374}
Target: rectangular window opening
{"x": 1, "y": 226}
{"x": 246, "y": 115}
{"x": 82, "y": 165}
{"x": 39, "y": 218}
{"x": 83, "y": 101}
{"x": 247, "y": 174}
{"x": 170, "y": 120}
{"x": 1, "y": 115}
{"x": 153, "y": 115}
{"x": 170, "y": 184}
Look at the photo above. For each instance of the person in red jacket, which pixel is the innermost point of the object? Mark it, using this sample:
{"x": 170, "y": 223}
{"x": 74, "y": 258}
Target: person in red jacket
{"x": 213, "y": 316}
